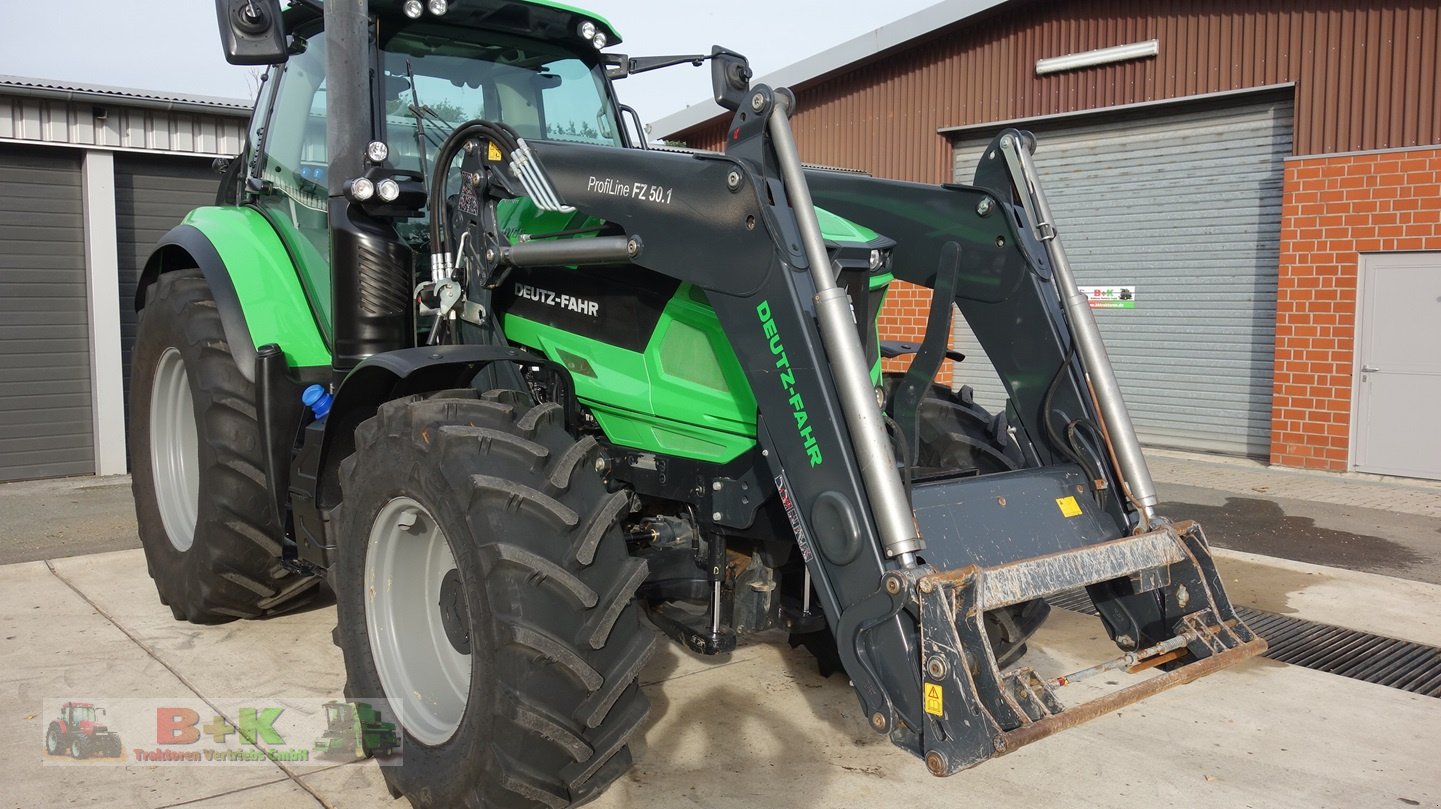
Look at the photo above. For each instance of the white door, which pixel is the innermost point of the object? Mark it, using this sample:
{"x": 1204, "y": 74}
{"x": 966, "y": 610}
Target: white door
{"x": 1398, "y": 366}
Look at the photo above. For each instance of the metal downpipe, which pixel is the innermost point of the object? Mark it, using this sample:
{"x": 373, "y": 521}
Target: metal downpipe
{"x": 891, "y": 509}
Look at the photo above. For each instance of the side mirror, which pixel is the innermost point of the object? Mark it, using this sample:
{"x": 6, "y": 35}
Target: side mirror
{"x": 730, "y": 77}
{"x": 251, "y": 31}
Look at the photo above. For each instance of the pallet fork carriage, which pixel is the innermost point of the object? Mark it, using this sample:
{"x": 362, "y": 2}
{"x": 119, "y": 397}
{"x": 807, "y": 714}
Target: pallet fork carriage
{"x": 570, "y": 387}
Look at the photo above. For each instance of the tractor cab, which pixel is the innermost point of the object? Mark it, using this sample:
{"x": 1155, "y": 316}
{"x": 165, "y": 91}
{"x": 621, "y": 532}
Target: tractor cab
{"x": 78, "y": 714}
{"x": 534, "y": 67}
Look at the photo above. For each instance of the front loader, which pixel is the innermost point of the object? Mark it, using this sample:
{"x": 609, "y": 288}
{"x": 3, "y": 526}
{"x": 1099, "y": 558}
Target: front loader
{"x": 524, "y": 390}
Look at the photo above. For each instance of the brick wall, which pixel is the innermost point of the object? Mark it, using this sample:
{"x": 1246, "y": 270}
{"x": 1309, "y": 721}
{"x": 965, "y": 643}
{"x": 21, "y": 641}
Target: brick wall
{"x": 1334, "y": 209}
{"x": 904, "y": 318}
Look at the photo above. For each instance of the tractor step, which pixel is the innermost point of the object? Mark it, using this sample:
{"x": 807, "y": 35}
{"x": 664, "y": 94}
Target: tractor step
{"x": 974, "y": 711}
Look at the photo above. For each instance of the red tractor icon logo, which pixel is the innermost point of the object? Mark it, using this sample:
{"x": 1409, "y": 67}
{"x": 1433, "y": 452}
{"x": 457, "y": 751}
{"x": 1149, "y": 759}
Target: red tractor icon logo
{"x": 77, "y": 733}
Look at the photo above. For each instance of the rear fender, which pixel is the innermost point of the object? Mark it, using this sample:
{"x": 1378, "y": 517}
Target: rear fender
{"x": 252, "y": 279}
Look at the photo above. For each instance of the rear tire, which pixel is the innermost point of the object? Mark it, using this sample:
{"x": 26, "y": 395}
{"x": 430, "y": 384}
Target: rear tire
{"x": 54, "y": 744}
{"x": 522, "y": 595}
{"x": 200, "y": 493}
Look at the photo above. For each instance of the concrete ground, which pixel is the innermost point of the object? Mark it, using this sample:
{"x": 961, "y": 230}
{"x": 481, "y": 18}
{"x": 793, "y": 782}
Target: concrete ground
{"x": 761, "y": 728}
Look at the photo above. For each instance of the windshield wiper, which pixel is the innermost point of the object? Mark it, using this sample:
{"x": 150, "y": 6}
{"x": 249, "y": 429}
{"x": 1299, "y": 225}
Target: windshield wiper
{"x": 417, "y": 110}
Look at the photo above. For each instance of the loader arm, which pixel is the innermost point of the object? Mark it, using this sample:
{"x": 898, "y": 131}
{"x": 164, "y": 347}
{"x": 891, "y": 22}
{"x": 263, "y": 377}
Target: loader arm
{"x": 906, "y": 604}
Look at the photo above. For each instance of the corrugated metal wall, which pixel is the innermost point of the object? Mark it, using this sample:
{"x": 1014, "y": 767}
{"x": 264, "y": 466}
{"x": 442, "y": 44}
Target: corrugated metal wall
{"x": 55, "y": 121}
{"x": 1367, "y": 75}
{"x": 1182, "y": 204}
{"x": 46, "y": 426}
{"x": 152, "y": 194}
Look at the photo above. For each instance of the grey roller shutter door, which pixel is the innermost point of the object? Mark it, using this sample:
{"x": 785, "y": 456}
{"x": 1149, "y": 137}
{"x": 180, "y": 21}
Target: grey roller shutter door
{"x": 46, "y": 423}
{"x": 1184, "y": 203}
{"x": 152, "y": 194}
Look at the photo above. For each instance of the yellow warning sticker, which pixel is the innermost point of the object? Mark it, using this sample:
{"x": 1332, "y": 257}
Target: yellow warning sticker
{"x": 935, "y": 700}
{"x": 1069, "y": 506}
{"x": 493, "y": 152}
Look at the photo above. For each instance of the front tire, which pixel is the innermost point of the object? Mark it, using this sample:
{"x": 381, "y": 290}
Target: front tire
{"x": 200, "y": 493}
{"x": 485, "y": 590}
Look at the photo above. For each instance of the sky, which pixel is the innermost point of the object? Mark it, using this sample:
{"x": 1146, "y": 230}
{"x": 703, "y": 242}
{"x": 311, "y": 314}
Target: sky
{"x": 174, "y": 45}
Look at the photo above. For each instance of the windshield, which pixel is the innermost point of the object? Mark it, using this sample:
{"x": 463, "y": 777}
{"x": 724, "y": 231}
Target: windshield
{"x": 434, "y": 82}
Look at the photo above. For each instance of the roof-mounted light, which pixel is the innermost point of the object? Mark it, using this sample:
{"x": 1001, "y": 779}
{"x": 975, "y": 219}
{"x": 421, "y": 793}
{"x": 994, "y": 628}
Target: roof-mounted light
{"x": 586, "y": 30}
{"x": 376, "y": 152}
{"x": 437, "y": 7}
{"x": 413, "y": 9}
{"x": 598, "y": 40}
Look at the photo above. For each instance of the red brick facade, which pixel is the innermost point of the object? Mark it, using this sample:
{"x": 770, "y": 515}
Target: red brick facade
{"x": 904, "y": 318}
{"x": 1336, "y": 208}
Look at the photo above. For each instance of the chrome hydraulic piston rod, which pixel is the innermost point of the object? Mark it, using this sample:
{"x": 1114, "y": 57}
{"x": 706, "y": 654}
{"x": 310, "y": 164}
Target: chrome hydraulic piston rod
{"x": 1133, "y": 469}
{"x": 889, "y": 505}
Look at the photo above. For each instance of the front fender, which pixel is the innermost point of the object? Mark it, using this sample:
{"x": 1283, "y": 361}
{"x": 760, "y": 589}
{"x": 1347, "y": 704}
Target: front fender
{"x": 256, "y": 287}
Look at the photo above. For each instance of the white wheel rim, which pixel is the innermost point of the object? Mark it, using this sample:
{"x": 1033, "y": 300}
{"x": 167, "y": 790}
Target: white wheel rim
{"x": 175, "y": 450}
{"x": 422, "y": 673}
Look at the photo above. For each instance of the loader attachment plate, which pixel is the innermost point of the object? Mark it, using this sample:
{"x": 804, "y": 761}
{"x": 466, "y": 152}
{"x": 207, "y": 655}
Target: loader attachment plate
{"x": 974, "y": 711}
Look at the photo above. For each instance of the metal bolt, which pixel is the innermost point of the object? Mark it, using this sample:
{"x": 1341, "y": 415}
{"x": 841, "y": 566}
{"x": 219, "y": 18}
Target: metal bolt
{"x": 1000, "y": 241}
{"x": 936, "y": 668}
{"x": 765, "y": 453}
{"x": 1080, "y": 489}
{"x": 716, "y": 486}
{"x": 983, "y": 208}
{"x": 716, "y": 516}
{"x": 733, "y": 180}
{"x": 758, "y": 102}
{"x": 926, "y": 585}
{"x": 750, "y": 223}
{"x": 893, "y": 585}
{"x": 600, "y": 465}
{"x": 475, "y": 180}
{"x": 490, "y": 255}
{"x": 999, "y": 743}
{"x": 936, "y": 763}
{"x": 632, "y": 247}
{"x": 470, "y": 147}
{"x": 1008, "y": 141}
{"x": 878, "y": 721}
{"x": 1182, "y": 596}
{"x": 1125, "y": 642}
{"x": 1001, "y": 501}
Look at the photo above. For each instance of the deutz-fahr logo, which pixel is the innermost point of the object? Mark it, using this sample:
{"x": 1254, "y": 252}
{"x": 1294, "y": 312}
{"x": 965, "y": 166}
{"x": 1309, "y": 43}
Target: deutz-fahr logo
{"x": 788, "y": 381}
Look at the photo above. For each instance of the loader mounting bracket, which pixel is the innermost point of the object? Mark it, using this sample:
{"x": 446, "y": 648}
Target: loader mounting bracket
{"x": 974, "y": 711}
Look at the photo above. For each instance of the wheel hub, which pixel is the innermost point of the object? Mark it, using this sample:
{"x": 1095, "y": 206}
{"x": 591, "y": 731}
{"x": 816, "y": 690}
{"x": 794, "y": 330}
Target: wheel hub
{"x": 454, "y": 614}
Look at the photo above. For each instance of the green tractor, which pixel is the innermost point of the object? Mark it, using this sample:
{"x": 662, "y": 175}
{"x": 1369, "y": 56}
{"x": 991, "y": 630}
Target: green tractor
{"x": 522, "y": 390}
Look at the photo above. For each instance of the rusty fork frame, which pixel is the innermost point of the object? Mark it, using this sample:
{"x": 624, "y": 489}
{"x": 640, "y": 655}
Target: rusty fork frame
{"x": 974, "y": 712}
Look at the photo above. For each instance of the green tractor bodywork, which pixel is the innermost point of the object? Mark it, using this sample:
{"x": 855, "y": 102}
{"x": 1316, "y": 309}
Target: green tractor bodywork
{"x": 683, "y": 394}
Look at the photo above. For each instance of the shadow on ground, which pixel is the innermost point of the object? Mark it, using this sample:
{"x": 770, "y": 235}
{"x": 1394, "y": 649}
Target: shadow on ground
{"x": 1263, "y": 527}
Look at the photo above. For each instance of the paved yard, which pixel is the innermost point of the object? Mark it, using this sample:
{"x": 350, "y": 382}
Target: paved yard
{"x": 760, "y": 730}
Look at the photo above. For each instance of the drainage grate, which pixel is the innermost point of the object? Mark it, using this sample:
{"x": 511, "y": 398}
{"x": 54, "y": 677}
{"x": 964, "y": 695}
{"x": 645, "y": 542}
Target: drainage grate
{"x": 1413, "y": 667}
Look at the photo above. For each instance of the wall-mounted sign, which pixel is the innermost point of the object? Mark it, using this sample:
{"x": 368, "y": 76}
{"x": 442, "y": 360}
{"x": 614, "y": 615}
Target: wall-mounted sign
{"x": 1111, "y": 296}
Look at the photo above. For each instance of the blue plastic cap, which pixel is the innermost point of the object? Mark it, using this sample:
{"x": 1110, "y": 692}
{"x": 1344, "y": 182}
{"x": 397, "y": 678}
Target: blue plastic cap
{"x": 318, "y": 400}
